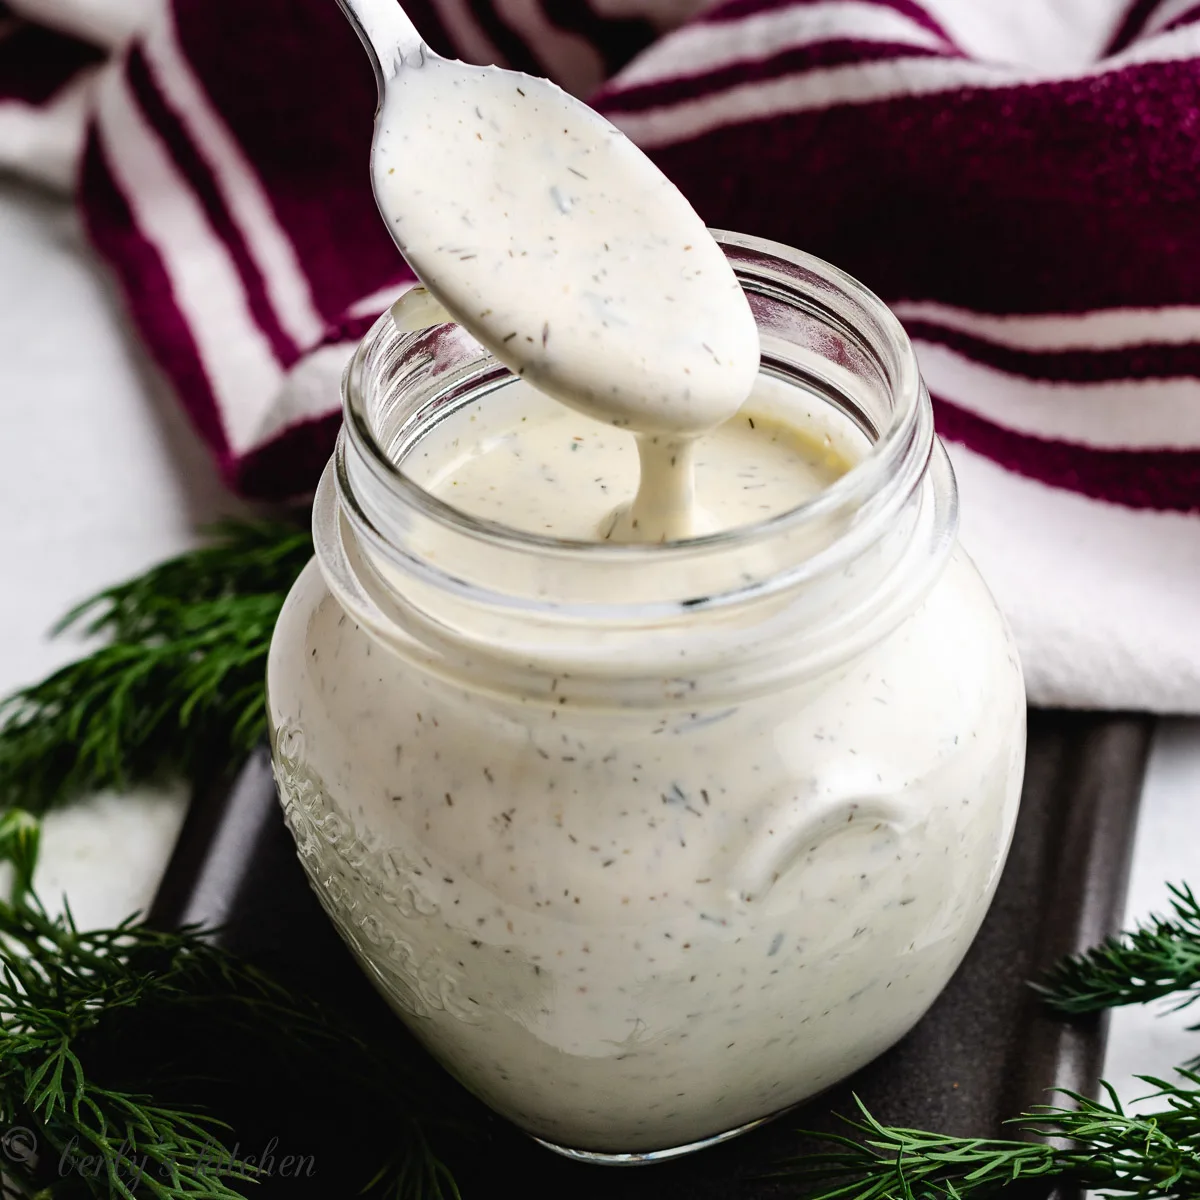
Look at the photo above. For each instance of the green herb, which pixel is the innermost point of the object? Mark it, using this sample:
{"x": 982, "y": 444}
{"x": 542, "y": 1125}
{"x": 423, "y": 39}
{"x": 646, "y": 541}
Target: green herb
{"x": 122, "y": 1050}
{"x": 1160, "y": 958}
{"x": 177, "y": 684}
{"x": 1088, "y": 1144}
{"x": 99, "y": 1093}
{"x": 1154, "y": 1154}
{"x": 59, "y": 989}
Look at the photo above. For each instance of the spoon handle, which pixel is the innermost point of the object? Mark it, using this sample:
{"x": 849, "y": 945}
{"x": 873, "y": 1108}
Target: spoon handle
{"x": 387, "y": 33}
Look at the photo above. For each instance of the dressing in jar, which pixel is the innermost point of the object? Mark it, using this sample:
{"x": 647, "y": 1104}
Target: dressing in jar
{"x": 648, "y": 841}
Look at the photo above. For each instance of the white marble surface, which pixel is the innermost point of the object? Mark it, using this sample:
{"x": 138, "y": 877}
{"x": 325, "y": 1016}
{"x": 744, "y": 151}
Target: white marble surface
{"x": 102, "y": 477}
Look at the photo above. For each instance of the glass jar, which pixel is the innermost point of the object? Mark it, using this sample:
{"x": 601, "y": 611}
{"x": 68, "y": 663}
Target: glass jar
{"x": 642, "y": 872}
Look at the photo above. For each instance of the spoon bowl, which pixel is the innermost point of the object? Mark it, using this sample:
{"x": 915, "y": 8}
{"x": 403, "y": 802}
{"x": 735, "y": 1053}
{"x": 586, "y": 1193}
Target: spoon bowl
{"x": 553, "y": 239}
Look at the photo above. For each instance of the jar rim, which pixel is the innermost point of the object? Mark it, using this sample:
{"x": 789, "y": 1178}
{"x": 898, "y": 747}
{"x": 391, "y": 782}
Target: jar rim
{"x": 904, "y": 436}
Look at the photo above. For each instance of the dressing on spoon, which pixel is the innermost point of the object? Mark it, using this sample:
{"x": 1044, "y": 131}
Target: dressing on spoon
{"x": 566, "y": 252}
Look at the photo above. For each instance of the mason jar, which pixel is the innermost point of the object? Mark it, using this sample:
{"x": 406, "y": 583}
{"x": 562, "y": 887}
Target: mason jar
{"x": 647, "y": 843}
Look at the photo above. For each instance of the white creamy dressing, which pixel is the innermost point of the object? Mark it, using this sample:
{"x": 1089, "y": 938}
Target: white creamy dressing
{"x": 631, "y": 930}
{"x": 545, "y": 232}
{"x": 529, "y": 463}
{"x": 625, "y": 928}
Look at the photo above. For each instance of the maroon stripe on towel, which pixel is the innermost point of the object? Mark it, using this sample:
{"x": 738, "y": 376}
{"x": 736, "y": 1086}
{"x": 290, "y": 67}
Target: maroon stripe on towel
{"x": 1159, "y": 360}
{"x": 514, "y": 52}
{"x": 1165, "y": 480}
{"x": 294, "y": 88}
{"x": 1185, "y": 18}
{"x": 35, "y": 63}
{"x": 353, "y": 329}
{"x": 199, "y": 176}
{"x": 148, "y": 294}
{"x": 1062, "y": 197}
{"x": 616, "y": 39}
{"x": 834, "y": 53}
{"x": 1131, "y": 25}
{"x": 290, "y": 464}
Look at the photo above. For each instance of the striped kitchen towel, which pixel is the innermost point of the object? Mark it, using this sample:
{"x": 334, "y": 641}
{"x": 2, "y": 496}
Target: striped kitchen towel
{"x": 1020, "y": 180}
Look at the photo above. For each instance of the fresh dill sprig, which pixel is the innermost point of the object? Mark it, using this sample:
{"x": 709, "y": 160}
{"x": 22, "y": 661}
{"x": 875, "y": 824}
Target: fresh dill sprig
{"x": 1150, "y": 1155}
{"x": 176, "y": 685}
{"x": 93, "y": 1073}
{"x": 124, "y": 1050}
{"x": 65, "y": 1123}
{"x": 1159, "y": 958}
{"x": 1089, "y": 1144}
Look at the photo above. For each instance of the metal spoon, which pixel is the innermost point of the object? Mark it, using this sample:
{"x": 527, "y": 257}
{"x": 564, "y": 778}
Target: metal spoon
{"x": 553, "y": 239}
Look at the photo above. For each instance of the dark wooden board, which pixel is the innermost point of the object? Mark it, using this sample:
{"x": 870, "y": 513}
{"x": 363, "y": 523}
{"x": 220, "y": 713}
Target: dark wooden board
{"x": 984, "y": 1051}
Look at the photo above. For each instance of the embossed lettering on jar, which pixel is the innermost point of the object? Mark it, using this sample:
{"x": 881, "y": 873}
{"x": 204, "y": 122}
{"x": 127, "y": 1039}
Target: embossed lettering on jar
{"x": 649, "y": 842}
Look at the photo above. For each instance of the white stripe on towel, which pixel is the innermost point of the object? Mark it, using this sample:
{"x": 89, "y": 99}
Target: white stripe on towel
{"x": 45, "y": 141}
{"x": 246, "y": 200}
{"x": 704, "y": 47}
{"x": 206, "y": 287}
{"x": 862, "y": 83}
{"x": 1104, "y": 329}
{"x": 1102, "y": 598}
{"x": 1124, "y": 414}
